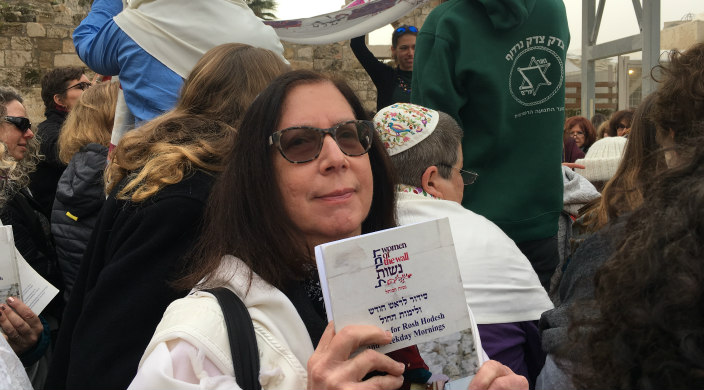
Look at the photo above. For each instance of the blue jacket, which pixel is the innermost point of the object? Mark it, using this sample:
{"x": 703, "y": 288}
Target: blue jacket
{"x": 150, "y": 87}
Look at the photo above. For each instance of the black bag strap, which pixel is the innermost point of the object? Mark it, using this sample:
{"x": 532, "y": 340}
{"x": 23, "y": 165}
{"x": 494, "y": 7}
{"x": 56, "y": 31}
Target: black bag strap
{"x": 243, "y": 343}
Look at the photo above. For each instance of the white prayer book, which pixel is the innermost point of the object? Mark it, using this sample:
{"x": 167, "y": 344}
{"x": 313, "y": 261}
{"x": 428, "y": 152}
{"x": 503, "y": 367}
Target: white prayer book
{"x": 405, "y": 280}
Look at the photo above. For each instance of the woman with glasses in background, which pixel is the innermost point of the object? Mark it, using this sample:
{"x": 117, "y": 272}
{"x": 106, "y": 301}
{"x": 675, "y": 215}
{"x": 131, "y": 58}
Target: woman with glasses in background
{"x": 30, "y": 226}
{"x": 393, "y": 85}
{"x": 581, "y": 130}
{"x": 620, "y": 123}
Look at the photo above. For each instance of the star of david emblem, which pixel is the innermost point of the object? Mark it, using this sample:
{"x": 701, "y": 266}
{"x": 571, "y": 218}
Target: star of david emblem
{"x": 534, "y": 76}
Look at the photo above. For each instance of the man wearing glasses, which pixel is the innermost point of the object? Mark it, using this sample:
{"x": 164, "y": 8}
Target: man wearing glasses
{"x": 500, "y": 284}
{"x": 61, "y": 89}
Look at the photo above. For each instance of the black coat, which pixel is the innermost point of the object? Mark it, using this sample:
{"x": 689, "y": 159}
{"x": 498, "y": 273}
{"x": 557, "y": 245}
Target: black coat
{"x": 43, "y": 181}
{"x": 30, "y": 229}
{"x": 79, "y": 196}
{"x": 123, "y": 286}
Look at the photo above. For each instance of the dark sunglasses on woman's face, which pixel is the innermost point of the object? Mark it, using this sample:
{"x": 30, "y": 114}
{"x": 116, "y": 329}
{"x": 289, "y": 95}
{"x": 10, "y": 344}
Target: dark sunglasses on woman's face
{"x": 20, "y": 122}
{"x": 402, "y": 30}
{"x": 83, "y": 85}
{"x": 301, "y": 144}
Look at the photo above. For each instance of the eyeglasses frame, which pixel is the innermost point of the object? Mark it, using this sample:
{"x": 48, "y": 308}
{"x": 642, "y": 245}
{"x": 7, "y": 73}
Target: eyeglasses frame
{"x": 83, "y": 85}
{"x": 275, "y": 138}
{"x": 472, "y": 176}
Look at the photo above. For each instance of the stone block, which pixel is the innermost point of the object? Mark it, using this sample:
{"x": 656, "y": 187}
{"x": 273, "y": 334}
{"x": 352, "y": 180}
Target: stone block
{"x": 67, "y": 46}
{"x": 35, "y": 30}
{"x": 2, "y": 59}
{"x": 18, "y": 58}
{"x": 58, "y": 32}
{"x": 4, "y": 43}
{"x": 328, "y": 52}
{"x": 10, "y": 29}
{"x": 21, "y": 43}
{"x": 49, "y": 44}
{"x": 305, "y": 53}
{"x": 297, "y": 64}
{"x": 67, "y": 60}
{"x": 46, "y": 60}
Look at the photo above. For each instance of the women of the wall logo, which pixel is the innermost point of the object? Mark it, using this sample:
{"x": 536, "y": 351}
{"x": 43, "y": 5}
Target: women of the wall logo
{"x": 538, "y": 71}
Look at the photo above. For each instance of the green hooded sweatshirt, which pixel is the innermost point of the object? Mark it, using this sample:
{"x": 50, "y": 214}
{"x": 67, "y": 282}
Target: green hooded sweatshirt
{"x": 498, "y": 67}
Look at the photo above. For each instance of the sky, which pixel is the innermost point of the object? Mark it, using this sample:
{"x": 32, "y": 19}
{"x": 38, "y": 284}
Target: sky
{"x": 618, "y": 21}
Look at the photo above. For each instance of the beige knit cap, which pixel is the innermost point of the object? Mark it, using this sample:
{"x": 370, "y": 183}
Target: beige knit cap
{"x": 602, "y": 159}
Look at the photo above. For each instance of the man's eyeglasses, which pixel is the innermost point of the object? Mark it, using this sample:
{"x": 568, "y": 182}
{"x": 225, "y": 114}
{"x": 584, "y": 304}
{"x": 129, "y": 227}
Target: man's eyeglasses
{"x": 303, "y": 143}
{"x": 20, "y": 122}
{"x": 83, "y": 85}
{"x": 468, "y": 177}
{"x": 403, "y": 30}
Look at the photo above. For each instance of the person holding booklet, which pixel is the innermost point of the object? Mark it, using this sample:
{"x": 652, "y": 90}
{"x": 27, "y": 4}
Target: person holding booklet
{"x": 501, "y": 287}
{"x": 287, "y": 187}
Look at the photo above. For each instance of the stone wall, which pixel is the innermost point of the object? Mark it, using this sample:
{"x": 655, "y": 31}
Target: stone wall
{"x": 35, "y": 36}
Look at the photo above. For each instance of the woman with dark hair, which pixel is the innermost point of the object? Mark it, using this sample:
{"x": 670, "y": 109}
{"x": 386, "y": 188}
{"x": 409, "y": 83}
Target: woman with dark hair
{"x": 303, "y": 189}
{"x": 639, "y": 319}
{"x": 620, "y": 123}
{"x": 393, "y": 85}
{"x": 641, "y": 159}
{"x": 581, "y": 130}
{"x": 158, "y": 182}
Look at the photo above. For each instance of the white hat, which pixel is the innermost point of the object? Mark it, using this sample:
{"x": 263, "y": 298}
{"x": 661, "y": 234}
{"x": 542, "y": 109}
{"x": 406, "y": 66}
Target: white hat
{"x": 602, "y": 159}
{"x": 403, "y": 125}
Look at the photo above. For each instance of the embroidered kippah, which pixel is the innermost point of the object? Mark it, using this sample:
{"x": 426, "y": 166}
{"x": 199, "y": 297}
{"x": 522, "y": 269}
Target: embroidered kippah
{"x": 403, "y": 125}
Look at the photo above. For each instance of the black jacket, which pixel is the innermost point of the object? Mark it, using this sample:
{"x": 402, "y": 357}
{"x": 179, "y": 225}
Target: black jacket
{"x": 383, "y": 76}
{"x": 33, "y": 240}
{"x": 79, "y": 197}
{"x": 123, "y": 286}
{"x": 43, "y": 180}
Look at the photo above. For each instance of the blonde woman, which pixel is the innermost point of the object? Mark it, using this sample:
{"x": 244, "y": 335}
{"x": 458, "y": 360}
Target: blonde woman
{"x": 83, "y": 145}
{"x": 158, "y": 181}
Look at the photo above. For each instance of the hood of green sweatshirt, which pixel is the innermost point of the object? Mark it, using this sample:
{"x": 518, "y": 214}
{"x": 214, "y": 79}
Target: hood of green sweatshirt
{"x": 508, "y": 14}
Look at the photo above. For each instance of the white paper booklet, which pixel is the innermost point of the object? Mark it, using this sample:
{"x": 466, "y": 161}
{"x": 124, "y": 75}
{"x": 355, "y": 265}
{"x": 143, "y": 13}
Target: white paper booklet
{"x": 405, "y": 280}
{"x": 19, "y": 279}
{"x": 9, "y": 271}
{"x": 37, "y": 292}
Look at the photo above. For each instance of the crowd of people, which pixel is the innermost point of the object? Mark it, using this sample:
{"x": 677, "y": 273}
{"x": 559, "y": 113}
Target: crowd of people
{"x": 581, "y": 275}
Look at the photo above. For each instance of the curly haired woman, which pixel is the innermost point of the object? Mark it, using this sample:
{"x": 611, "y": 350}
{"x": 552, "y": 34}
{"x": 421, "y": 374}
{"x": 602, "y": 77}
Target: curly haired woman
{"x": 644, "y": 327}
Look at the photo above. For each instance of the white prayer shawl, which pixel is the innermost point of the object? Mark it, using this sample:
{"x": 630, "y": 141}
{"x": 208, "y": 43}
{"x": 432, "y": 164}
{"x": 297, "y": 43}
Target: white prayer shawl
{"x": 345, "y": 24}
{"x": 499, "y": 282}
{"x": 179, "y": 32}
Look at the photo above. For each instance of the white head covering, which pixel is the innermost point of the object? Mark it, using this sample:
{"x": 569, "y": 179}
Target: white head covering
{"x": 403, "y": 125}
{"x": 602, "y": 159}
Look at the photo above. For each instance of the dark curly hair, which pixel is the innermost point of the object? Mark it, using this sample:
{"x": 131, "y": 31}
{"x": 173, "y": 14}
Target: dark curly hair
{"x": 680, "y": 107}
{"x": 650, "y": 331}
{"x": 645, "y": 326}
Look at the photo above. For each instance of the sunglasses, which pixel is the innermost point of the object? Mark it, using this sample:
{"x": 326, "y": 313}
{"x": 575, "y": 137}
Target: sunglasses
{"x": 621, "y": 126}
{"x": 83, "y": 85}
{"x": 20, "y": 122}
{"x": 468, "y": 177}
{"x": 402, "y": 30}
{"x": 303, "y": 143}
